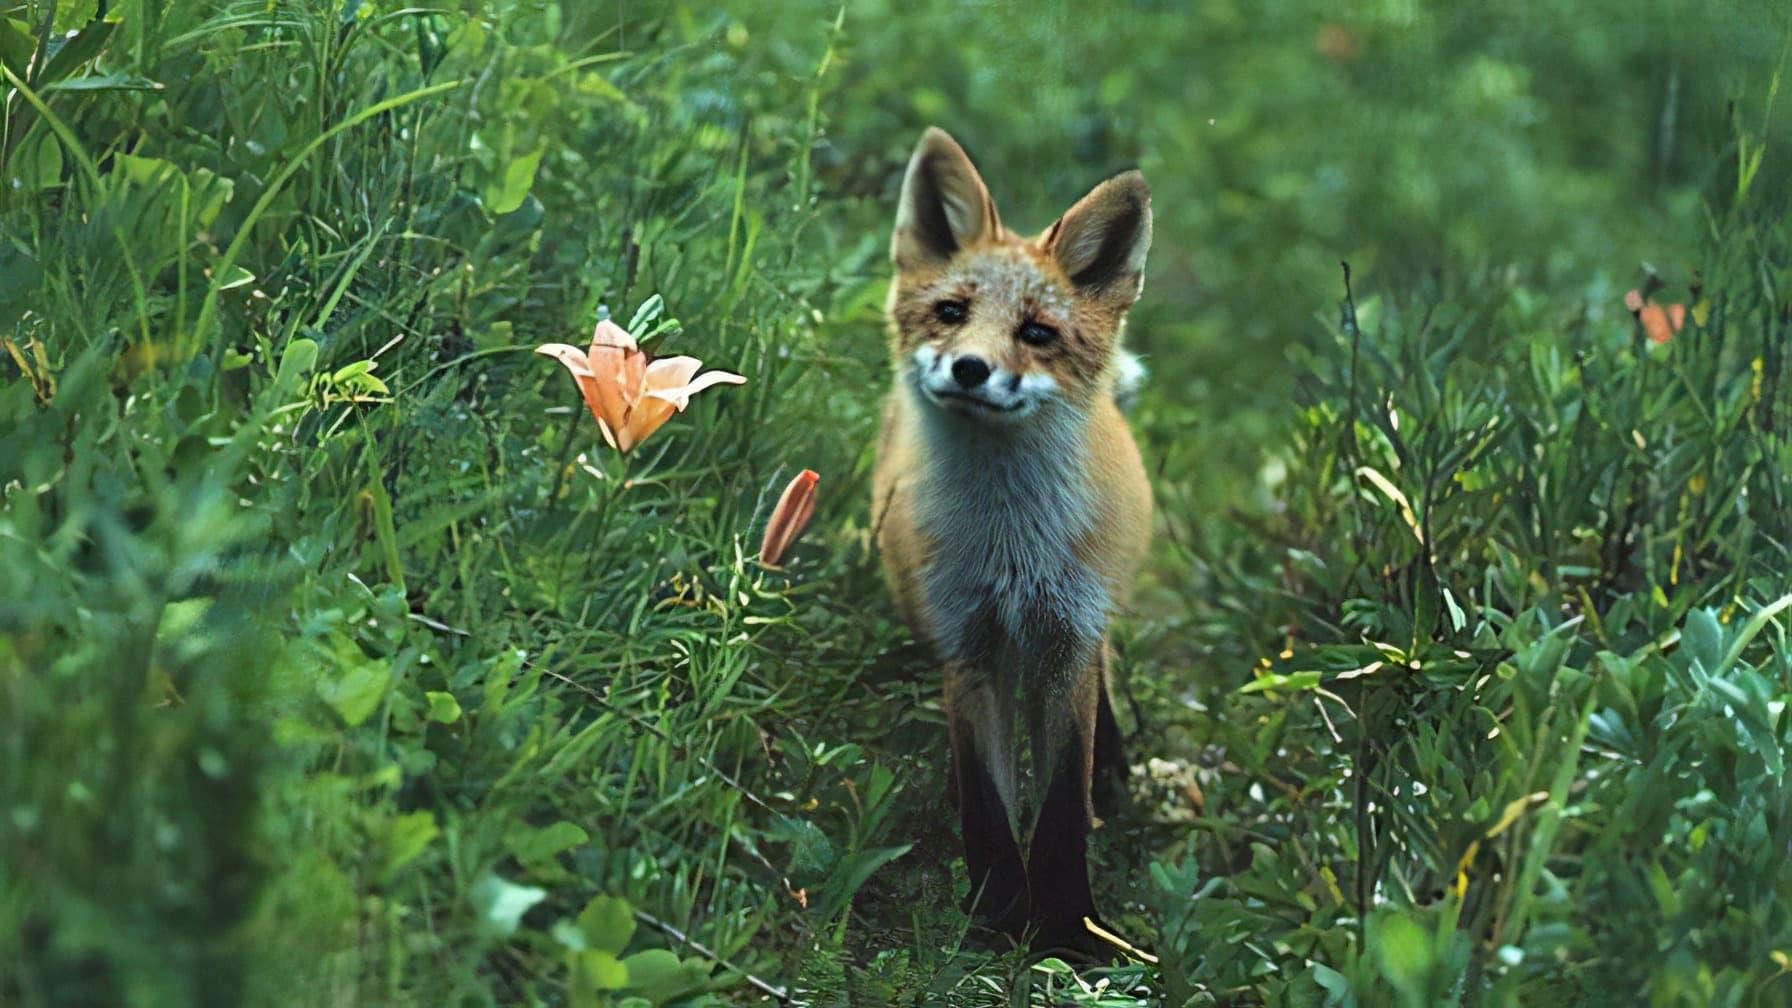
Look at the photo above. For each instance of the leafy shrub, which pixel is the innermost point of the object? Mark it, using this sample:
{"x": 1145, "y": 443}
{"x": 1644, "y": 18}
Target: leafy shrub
{"x": 1525, "y": 706}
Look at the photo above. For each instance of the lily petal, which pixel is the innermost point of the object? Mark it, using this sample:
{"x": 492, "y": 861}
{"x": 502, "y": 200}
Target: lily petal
{"x": 614, "y": 392}
{"x": 567, "y": 354}
{"x": 671, "y": 372}
{"x": 616, "y": 343}
{"x": 634, "y": 376}
{"x": 609, "y": 436}
{"x": 590, "y": 389}
{"x": 681, "y": 396}
{"x": 608, "y": 333}
{"x": 650, "y": 411}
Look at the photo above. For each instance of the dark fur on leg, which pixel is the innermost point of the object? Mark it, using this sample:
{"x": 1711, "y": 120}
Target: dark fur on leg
{"x": 1109, "y": 785}
{"x": 998, "y": 894}
{"x": 1057, "y": 865}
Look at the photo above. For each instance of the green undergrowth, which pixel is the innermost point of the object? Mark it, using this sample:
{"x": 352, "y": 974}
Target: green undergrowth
{"x": 341, "y": 662}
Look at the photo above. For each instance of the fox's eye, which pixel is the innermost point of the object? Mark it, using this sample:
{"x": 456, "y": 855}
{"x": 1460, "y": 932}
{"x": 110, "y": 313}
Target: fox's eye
{"x": 951, "y": 312}
{"x": 1035, "y": 333}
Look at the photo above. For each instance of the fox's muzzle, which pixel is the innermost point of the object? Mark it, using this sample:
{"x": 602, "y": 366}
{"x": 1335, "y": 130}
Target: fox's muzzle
{"x": 970, "y": 384}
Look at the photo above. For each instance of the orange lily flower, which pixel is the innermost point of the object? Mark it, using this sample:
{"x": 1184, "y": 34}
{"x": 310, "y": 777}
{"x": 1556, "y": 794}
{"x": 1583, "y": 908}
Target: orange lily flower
{"x": 789, "y": 518}
{"x": 629, "y": 394}
{"x": 1660, "y": 324}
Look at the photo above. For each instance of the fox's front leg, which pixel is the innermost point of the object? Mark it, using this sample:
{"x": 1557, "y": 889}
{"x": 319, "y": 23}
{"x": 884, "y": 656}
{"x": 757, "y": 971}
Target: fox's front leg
{"x": 1108, "y": 788}
{"x": 981, "y": 727}
{"x": 1063, "y": 724}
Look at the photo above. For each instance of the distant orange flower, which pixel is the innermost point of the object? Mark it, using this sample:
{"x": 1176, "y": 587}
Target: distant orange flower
{"x": 789, "y": 518}
{"x": 1336, "y": 41}
{"x": 1660, "y": 324}
{"x": 629, "y": 394}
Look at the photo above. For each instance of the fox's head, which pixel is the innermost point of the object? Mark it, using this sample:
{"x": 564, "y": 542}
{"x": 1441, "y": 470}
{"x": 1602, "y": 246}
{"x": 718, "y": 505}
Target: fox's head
{"x": 998, "y": 328}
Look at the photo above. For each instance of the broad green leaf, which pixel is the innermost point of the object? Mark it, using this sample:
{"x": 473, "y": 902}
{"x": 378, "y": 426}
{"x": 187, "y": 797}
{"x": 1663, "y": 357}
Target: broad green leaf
{"x": 536, "y": 845}
{"x": 608, "y": 923}
{"x": 406, "y": 837}
{"x": 443, "y": 707}
{"x": 1404, "y": 950}
{"x": 354, "y": 370}
{"x": 16, "y": 45}
{"x": 210, "y": 194}
{"x": 78, "y": 48}
{"x": 519, "y": 174}
{"x": 660, "y": 976}
{"x": 1335, "y": 985}
{"x": 355, "y": 692}
{"x": 38, "y": 163}
{"x": 1703, "y": 639}
{"x": 296, "y": 363}
{"x": 593, "y": 972}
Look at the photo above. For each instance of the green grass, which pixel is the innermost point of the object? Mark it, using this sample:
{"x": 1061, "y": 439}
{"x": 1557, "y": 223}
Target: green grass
{"x": 342, "y": 663}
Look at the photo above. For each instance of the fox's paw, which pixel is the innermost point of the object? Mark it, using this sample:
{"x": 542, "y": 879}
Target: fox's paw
{"x": 1084, "y": 941}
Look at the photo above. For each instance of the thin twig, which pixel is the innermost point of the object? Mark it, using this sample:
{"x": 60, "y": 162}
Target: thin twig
{"x": 781, "y": 993}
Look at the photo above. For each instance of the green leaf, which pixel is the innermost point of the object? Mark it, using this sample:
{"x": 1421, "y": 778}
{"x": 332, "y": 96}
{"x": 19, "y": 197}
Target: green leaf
{"x": 536, "y": 845}
{"x": 594, "y": 971}
{"x": 354, "y": 370}
{"x": 608, "y": 923}
{"x": 180, "y": 619}
{"x": 500, "y": 904}
{"x": 660, "y": 976}
{"x": 508, "y": 192}
{"x": 16, "y": 45}
{"x": 406, "y": 837}
{"x": 210, "y": 193}
{"x": 357, "y": 690}
{"x": 1335, "y": 985}
{"x": 38, "y": 163}
{"x": 81, "y": 47}
{"x": 1703, "y": 639}
{"x": 296, "y": 363}
{"x": 443, "y": 708}
{"x": 1281, "y": 681}
{"x": 105, "y": 82}
{"x": 1404, "y": 950}
{"x": 144, "y": 171}
{"x": 385, "y": 532}
{"x": 236, "y": 277}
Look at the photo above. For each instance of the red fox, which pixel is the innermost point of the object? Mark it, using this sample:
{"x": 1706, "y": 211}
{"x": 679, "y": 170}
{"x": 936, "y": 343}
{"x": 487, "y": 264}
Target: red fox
{"x": 1012, "y": 510}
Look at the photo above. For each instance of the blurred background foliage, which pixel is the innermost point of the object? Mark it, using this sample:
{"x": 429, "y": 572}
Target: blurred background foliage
{"x": 340, "y": 662}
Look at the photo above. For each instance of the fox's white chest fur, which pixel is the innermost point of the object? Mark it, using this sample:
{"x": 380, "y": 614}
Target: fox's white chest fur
{"x": 1003, "y": 510}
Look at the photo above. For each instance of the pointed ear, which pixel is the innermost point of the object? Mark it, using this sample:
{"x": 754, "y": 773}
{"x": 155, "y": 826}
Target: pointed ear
{"x": 1101, "y": 242}
{"x": 945, "y": 206}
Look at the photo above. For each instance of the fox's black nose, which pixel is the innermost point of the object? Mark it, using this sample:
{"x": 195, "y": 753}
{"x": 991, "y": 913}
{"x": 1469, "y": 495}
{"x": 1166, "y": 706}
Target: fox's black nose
{"x": 969, "y": 372}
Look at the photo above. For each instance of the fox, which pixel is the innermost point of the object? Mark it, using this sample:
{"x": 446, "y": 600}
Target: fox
{"x": 1012, "y": 510}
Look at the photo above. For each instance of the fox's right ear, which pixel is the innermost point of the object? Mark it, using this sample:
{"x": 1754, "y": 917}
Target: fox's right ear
{"x": 945, "y": 206}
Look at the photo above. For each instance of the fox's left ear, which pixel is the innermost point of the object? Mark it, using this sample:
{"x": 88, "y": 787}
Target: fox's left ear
{"x": 945, "y": 206}
{"x": 1101, "y": 242}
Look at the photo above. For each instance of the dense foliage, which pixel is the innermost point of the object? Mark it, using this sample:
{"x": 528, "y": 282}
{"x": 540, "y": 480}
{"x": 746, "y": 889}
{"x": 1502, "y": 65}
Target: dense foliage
{"x": 342, "y": 662}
